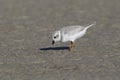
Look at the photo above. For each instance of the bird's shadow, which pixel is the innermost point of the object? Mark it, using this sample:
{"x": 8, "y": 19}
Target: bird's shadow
{"x": 54, "y": 48}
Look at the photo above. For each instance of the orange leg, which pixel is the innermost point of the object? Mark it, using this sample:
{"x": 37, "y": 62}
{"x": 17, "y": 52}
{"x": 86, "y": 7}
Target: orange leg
{"x": 71, "y": 45}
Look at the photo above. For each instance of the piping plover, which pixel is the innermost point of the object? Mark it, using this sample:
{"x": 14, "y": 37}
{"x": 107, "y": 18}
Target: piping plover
{"x": 70, "y": 33}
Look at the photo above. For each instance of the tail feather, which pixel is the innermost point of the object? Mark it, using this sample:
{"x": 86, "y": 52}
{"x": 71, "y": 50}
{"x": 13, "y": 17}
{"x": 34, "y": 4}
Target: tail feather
{"x": 90, "y": 25}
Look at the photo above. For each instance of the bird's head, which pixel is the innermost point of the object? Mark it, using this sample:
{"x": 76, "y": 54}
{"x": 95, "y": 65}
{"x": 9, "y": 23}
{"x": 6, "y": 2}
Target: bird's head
{"x": 56, "y": 37}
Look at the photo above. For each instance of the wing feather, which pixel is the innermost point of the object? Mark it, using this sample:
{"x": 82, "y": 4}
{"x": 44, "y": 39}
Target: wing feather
{"x": 72, "y": 30}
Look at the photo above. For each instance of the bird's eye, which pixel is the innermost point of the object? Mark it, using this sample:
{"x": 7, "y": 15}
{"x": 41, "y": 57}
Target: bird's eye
{"x": 55, "y": 37}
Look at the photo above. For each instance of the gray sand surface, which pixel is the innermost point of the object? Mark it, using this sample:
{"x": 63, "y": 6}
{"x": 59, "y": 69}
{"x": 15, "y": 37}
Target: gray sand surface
{"x": 26, "y": 52}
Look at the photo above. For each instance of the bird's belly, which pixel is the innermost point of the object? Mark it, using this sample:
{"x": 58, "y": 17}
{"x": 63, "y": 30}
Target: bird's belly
{"x": 72, "y": 37}
{"x": 76, "y": 36}
{"x": 66, "y": 38}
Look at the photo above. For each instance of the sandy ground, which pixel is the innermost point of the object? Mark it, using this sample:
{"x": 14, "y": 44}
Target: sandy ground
{"x": 26, "y": 52}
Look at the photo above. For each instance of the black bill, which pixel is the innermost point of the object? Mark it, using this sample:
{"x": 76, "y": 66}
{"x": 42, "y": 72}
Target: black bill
{"x": 53, "y": 42}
